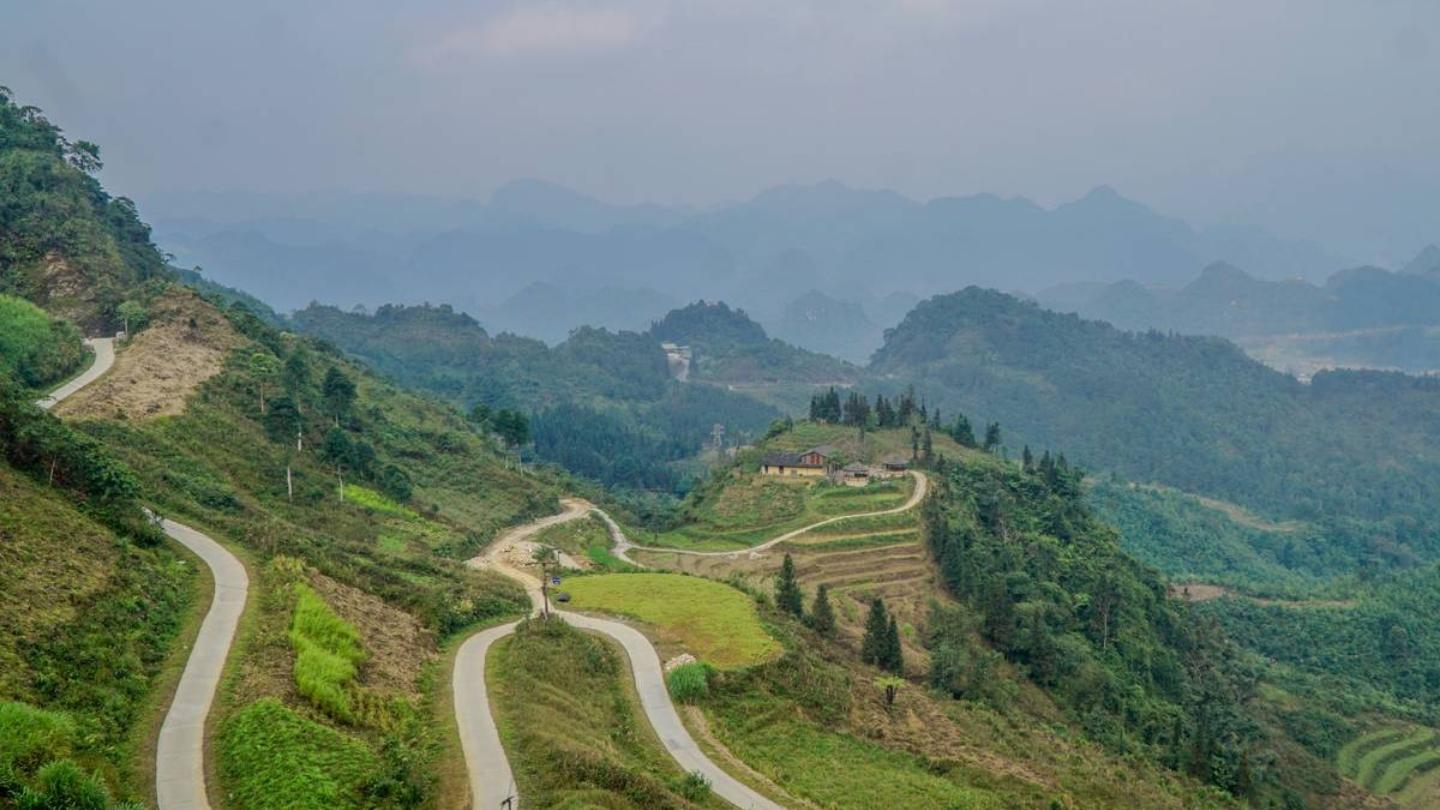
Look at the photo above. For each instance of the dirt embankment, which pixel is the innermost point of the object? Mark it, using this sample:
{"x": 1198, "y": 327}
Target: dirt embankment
{"x": 159, "y": 369}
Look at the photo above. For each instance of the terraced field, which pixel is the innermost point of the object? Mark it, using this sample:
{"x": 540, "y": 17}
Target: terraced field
{"x": 1402, "y": 762}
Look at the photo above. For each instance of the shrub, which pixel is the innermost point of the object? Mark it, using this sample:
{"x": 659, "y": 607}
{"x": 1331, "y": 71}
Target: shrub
{"x": 29, "y": 736}
{"x": 694, "y": 787}
{"x": 689, "y": 683}
{"x": 61, "y": 785}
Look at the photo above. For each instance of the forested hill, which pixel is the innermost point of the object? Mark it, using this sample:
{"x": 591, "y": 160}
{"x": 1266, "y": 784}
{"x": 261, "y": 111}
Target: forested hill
{"x": 730, "y": 347}
{"x": 1191, "y": 412}
{"x": 602, "y": 403}
{"x": 65, "y": 243}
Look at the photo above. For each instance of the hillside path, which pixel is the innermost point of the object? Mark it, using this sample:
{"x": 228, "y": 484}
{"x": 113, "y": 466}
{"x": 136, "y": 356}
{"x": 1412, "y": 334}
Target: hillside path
{"x": 922, "y": 485}
{"x": 491, "y": 780}
{"x": 180, "y": 750}
{"x": 104, "y": 359}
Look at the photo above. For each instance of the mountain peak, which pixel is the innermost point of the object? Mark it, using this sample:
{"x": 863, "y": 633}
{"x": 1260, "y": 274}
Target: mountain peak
{"x": 1426, "y": 262}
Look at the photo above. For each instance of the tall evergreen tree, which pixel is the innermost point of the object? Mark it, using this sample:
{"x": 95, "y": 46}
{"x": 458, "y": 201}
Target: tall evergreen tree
{"x": 1027, "y": 461}
{"x": 873, "y": 648}
{"x": 788, "y": 595}
{"x": 992, "y": 436}
{"x": 962, "y": 432}
{"x": 822, "y": 615}
{"x": 893, "y": 659}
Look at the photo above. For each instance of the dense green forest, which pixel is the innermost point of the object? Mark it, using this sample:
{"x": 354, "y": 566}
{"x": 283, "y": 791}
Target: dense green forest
{"x": 1356, "y": 453}
{"x": 601, "y": 403}
{"x": 729, "y": 347}
{"x": 65, "y": 243}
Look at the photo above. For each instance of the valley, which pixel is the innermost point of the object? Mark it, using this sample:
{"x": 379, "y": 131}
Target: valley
{"x": 344, "y": 559}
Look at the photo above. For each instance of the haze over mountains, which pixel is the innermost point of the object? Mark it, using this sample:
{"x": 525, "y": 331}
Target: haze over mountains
{"x": 1361, "y": 317}
{"x": 540, "y": 259}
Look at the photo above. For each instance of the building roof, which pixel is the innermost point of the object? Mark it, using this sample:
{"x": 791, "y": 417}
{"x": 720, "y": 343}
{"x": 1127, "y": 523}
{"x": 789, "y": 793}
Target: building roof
{"x": 857, "y": 467}
{"x": 826, "y": 450}
{"x": 788, "y": 460}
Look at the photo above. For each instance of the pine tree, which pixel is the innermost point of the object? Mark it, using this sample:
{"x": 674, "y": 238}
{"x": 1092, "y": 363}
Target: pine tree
{"x": 822, "y": 616}
{"x": 894, "y": 660}
{"x": 962, "y": 432}
{"x": 927, "y": 446}
{"x": 873, "y": 647}
{"x": 788, "y": 596}
{"x": 992, "y": 436}
{"x": 1027, "y": 461}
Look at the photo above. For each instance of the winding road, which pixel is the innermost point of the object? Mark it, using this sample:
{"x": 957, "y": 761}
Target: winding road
{"x": 180, "y": 750}
{"x": 922, "y": 485}
{"x": 491, "y": 780}
{"x": 104, "y": 349}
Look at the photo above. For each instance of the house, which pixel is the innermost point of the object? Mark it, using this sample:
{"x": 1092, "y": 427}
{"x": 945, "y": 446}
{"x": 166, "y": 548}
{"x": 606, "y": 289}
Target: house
{"x": 814, "y": 462}
{"x": 855, "y": 475}
{"x": 894, "y": 466}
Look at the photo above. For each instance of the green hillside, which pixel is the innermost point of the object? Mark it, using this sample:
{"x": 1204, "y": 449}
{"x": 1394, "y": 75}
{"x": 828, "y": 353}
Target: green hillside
{"x": 1354, "y": 452}
{"x": 602, "y": 403}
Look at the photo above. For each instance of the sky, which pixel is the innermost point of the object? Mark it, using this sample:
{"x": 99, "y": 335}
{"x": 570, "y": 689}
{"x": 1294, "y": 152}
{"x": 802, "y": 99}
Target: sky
{"x": 1317, "y": 119}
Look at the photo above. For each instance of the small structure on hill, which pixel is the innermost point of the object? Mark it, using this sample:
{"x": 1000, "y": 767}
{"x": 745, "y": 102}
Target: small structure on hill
{"x": 894, "y": 466}
{"x": 814, "y": 462}
{"x": 855, "y": 475}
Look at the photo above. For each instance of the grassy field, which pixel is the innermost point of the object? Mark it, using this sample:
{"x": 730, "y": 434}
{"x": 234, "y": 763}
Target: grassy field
{"x": 747, "y": 509}
{"x": 714, "y": 622}
{"x": 588, "y": 538}
{"x": 572, "y": 727}
{"x": 272, "y": 757}
{"x": 1402, "y": 762}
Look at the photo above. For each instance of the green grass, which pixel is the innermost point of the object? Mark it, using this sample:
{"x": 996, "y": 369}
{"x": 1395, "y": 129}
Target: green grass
{"x": 841, "y": 771}
{"x": 1398, "y": 772}
{"x": 274, "y": 759}
{"x": 688, "y": 683}
{"x": 378, "y": 503}
{"x": 327, "y": 652}
{"x": 30, "y": 736}
{"x": 39, "y": 350}
{"x": 750, "y": 509}
{"x": 572, "y": 727}
{"x": 1348, "y": 758}
{"x": 1372, "y": 765}
{"x": 843, "y": 543}
{"x": 715, "y": 622}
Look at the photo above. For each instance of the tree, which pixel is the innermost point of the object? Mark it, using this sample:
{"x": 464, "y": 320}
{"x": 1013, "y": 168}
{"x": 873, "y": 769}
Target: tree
{"x": 512, "y": 426}
{"x": 395, "y": 482}
{"x": 893, "y": 659}
{"x": 338, "y": 451}
{"x": 133, "y": 316}
{"x": 263, "y": 368}
{"x": 962, "y": 432}
{"x": 891, "y": 686}
{"x": 788, "y": 596}
{"x": 295, "y": 376}
{"x": 822, "y": 615}
{"x": 339, "y": 393}
{"x": 927, "y": 445}
{"x": 873, "y": 646}
{"x": 282, "y": 421}
{"x": 992, "y": 436}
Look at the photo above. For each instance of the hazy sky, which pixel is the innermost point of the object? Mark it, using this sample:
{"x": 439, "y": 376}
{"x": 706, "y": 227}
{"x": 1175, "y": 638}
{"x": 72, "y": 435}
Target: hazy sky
{"x": 1317, "y": 118}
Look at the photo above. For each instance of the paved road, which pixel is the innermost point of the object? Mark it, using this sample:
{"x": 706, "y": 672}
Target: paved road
{"x": 491, "y": 780}
{"x": 180, "y": 753}
{"x": 922, "y": 484}
{"x": 104, "y": 358}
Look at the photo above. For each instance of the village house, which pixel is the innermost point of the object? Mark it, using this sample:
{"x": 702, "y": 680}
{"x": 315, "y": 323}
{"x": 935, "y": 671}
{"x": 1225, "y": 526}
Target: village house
{"x": 814, "y": 462}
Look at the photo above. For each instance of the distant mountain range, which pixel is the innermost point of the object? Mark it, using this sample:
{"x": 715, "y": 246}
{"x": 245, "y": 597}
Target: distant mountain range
{"x": 815, "y": 263}
{"x": 1363, "y": 317}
